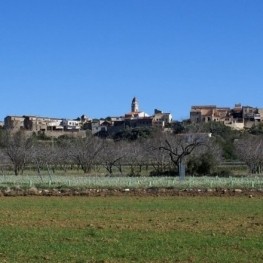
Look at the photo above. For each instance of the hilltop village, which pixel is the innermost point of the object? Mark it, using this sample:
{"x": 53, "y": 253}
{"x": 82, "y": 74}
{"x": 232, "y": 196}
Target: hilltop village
{"x": 238, "y": 118}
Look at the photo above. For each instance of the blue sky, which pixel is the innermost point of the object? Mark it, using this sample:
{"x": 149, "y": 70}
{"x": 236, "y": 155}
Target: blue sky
{"x": 65, "y": 58}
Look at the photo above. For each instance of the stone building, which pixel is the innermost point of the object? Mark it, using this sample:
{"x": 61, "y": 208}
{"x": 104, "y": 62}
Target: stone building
{"x": 14, "y": 123}
{"x": 208, "y": 113}
{"x": 239, "y": 117}
{"x": 161, "y": 119}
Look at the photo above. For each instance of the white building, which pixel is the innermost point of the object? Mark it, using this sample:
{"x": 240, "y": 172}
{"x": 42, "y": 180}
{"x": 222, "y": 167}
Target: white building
{"x": 71, "y": 124}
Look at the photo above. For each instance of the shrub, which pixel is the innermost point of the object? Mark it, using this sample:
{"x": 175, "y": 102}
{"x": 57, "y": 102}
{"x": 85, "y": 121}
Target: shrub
{"x": 203, "y": 164}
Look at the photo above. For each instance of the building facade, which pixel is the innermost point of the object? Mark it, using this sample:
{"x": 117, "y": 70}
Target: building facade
{"x": 39, "y": 124}
{"x": 239, "y": 117}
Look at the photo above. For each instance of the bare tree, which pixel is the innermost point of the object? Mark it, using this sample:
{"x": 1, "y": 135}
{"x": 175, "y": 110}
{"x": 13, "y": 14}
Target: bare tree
{"x": 135, "y": 157}
{"x": 42, "y": 156}
{"x": 156, "y": 158}
{"x": 112, "y": 155}
{"x": 60, "y": 157}
{"x": 250, "y": 150}
{"x": 5, "y": 161}
{"x": 85, "y": 152}
{"x": 17, "y": 147}
{"x": 178, "y": 147}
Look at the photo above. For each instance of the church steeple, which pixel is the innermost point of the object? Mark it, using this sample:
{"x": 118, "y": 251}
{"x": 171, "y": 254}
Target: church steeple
{"x": 135, "y": 105}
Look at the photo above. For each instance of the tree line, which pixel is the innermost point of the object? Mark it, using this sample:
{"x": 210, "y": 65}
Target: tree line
{"x": 134, "y": 151}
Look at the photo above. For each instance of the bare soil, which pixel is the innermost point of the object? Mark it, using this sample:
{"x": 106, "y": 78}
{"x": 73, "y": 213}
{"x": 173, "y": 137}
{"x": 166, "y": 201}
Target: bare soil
{"x": 131, "y": 192}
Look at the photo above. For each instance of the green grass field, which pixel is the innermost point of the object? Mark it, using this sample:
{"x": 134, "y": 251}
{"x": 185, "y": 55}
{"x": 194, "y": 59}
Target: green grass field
{"x": 131, "y": 229}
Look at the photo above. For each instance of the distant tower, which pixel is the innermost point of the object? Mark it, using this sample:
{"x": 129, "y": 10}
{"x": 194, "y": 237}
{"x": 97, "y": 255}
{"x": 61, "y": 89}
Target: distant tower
{"x": 135, "y": 105}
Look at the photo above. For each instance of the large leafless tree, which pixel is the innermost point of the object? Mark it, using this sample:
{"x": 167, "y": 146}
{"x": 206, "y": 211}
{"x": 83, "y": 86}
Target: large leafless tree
{"x": 179, "y": 147}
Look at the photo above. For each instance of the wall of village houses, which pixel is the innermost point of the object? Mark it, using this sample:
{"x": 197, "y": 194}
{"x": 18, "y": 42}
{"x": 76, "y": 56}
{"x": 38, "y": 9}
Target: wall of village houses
{"x": 238, "y": 118}
{"x": 247, "y": 117}
{"x": 36, "y": 124}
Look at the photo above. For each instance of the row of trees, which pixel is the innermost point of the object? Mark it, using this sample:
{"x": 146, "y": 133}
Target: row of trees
{"x": 159, "y": 153}
{"x": 162, "y": 153}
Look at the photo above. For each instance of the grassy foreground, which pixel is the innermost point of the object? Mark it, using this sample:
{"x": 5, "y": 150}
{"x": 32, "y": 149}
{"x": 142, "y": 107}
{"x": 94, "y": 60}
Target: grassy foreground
{"x": 131, "y": 229}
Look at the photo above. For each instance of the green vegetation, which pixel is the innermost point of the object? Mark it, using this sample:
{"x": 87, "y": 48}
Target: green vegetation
{"x": 202, "y": 164}
{"x": 133, "y": 134}
{"x": 131, "y": 229}
{"x": 257, "y": 129}
{"x": 224, "y": 136}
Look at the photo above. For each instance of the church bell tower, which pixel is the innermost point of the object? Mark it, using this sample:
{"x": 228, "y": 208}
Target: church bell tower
{"x": 135, "y": 105}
